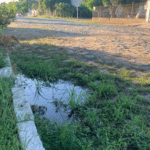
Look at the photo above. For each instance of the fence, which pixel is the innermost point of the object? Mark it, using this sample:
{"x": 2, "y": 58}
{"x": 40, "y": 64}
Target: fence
{"x": 134, "y": 10}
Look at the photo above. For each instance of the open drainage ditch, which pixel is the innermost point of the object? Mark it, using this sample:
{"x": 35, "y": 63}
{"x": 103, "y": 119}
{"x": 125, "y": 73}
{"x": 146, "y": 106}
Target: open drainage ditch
{"x": 52, "y": 100}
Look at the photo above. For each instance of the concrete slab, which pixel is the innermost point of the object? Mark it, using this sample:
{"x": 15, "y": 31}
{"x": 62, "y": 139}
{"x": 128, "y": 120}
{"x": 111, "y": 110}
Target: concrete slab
{"x": 25, "y": 119}
{"x": 21, "y": 105}
{"x": 8, "y": 61}
{"x": 6, "y": 72}
{"x": 29, "y": 137}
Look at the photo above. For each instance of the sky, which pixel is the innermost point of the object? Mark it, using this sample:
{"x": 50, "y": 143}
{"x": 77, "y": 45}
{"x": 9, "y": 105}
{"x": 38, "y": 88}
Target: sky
{"x": 6, "y": 1}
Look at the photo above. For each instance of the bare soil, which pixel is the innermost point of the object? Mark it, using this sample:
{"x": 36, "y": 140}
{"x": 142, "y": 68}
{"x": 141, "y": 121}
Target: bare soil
{"x": 114, "y": 45}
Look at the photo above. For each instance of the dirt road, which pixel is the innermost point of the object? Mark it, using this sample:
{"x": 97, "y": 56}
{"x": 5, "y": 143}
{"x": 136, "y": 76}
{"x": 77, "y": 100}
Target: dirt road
{"x": 122, "y": 46}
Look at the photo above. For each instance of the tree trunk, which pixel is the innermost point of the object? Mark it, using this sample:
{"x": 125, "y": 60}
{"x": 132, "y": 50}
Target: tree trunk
{"x": 113, "y": 12}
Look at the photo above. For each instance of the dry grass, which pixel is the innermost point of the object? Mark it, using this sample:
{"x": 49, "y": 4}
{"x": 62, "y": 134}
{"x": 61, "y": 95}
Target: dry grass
{"x": 119, "y": 21}
{"x": 5, "y": 40}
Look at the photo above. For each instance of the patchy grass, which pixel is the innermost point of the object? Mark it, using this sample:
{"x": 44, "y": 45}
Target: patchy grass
{"x": 52, "y": 17}
{"x": 8, "y": 129}
{"x": 86, "y": 21}
{"x": 70, "y": 19}
{"x": 114, "y": 116}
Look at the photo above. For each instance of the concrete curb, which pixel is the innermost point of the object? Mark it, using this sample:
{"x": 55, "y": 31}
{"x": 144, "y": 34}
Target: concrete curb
{"x": 6, "y": 71}
{"x": 25, "y": 119}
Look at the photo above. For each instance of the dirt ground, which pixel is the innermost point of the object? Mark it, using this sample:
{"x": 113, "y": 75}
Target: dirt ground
{"x": 122, "y": 22}
{"x": 114, "y": 45}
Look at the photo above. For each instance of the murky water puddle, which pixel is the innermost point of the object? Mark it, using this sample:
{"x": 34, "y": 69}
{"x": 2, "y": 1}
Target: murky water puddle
{"x": 49, "y": 95}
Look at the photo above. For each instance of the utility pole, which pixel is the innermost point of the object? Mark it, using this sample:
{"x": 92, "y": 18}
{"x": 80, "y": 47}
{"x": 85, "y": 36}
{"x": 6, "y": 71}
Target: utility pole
{"x": 77, "y": 13}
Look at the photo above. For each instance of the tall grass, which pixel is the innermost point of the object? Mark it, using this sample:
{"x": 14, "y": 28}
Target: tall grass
{"x": 2, "y": 61}
{"x": 8, "y": 129}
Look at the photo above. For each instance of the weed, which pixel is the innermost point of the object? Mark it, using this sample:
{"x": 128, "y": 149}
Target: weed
{"x": 8, "y": 128}
{"x": 2, "y": 61}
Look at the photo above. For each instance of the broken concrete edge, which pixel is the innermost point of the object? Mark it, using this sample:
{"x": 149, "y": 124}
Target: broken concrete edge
{"x": 28, "y": 135}
{"x": 6, "y": 71}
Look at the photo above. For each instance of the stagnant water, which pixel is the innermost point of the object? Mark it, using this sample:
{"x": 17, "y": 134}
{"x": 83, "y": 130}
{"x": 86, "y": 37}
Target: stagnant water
{"x": 45, "y": 95}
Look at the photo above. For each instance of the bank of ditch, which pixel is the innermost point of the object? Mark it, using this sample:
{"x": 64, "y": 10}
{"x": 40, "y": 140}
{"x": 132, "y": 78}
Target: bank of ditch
{"x": 3, "y": 63}
{"x": 9, "y": 138}
{"x": 115, "y": 116}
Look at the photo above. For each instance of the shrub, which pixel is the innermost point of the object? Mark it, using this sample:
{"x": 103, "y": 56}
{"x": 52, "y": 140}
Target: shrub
{"x": 6, "y": 14}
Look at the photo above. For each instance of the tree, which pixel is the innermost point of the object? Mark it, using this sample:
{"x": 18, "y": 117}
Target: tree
{"x": 114, "y": 4}
{"x": 90, "y": 3}
{"x": 49, "y": 4}
{"x": 7, "y": 13}
{"x": 64, "y": 9}
{"x": 84, "y": 12}
{"x": 34, "y": 6}
{"x": 40, "y": 6}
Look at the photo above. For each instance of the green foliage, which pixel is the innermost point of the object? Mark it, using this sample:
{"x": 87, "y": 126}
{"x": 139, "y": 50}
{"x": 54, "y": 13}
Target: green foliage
{"x": 8, "y": 128}
{"x": 34, "y": 6}
{"x": 7, "y": 12}
{"x": 90, "y": 3}
{"x": 2, "y": 62}
{"x": 49, "y": 4}
{"x": 64, "y": 9}
{"x": 24, "y": 9}
{"x": 25, "y": 5}
{"x": 106, "y": 89}
{"x": 84, "y": 12}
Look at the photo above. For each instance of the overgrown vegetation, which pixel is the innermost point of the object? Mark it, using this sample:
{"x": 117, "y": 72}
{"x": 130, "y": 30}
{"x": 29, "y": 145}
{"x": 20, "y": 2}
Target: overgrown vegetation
{"x": 2, "y": 61}
{"x": 114, "y": 116}
{"x": 8, "y": 128}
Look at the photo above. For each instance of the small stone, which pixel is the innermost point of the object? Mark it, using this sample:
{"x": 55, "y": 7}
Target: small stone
{"x": 118, "y": 71}
{"x": 76, "y": 48}
{"x": 90, "y": 62}
{"x": 65, "y": 60}
{"x": 18, "y": 45}
{"x": 71, "y": 52}
{"x": 104, "y": 71}
{"x": 49, "y": 60}
{"x": 89, "y": 56}
{"x": 130, "y": 88}
{"x": 41, "y": 50}
{"x": 85, "y": 53}
{"x": 147, "y": 96}
{"x": 119, "y": 61}
{"x": 56, "y": 48}
{"x": 125, "y": 47}
{"x": 29, "y": 51}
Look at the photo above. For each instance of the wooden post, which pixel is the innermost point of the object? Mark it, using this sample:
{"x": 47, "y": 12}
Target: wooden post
{"x": 110, "y": 9}
{"x": 77, "y": 14}
{"x": 119, "y": 10}
{"x": 100, "y": 11}
{"x": 132, "y": 11}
